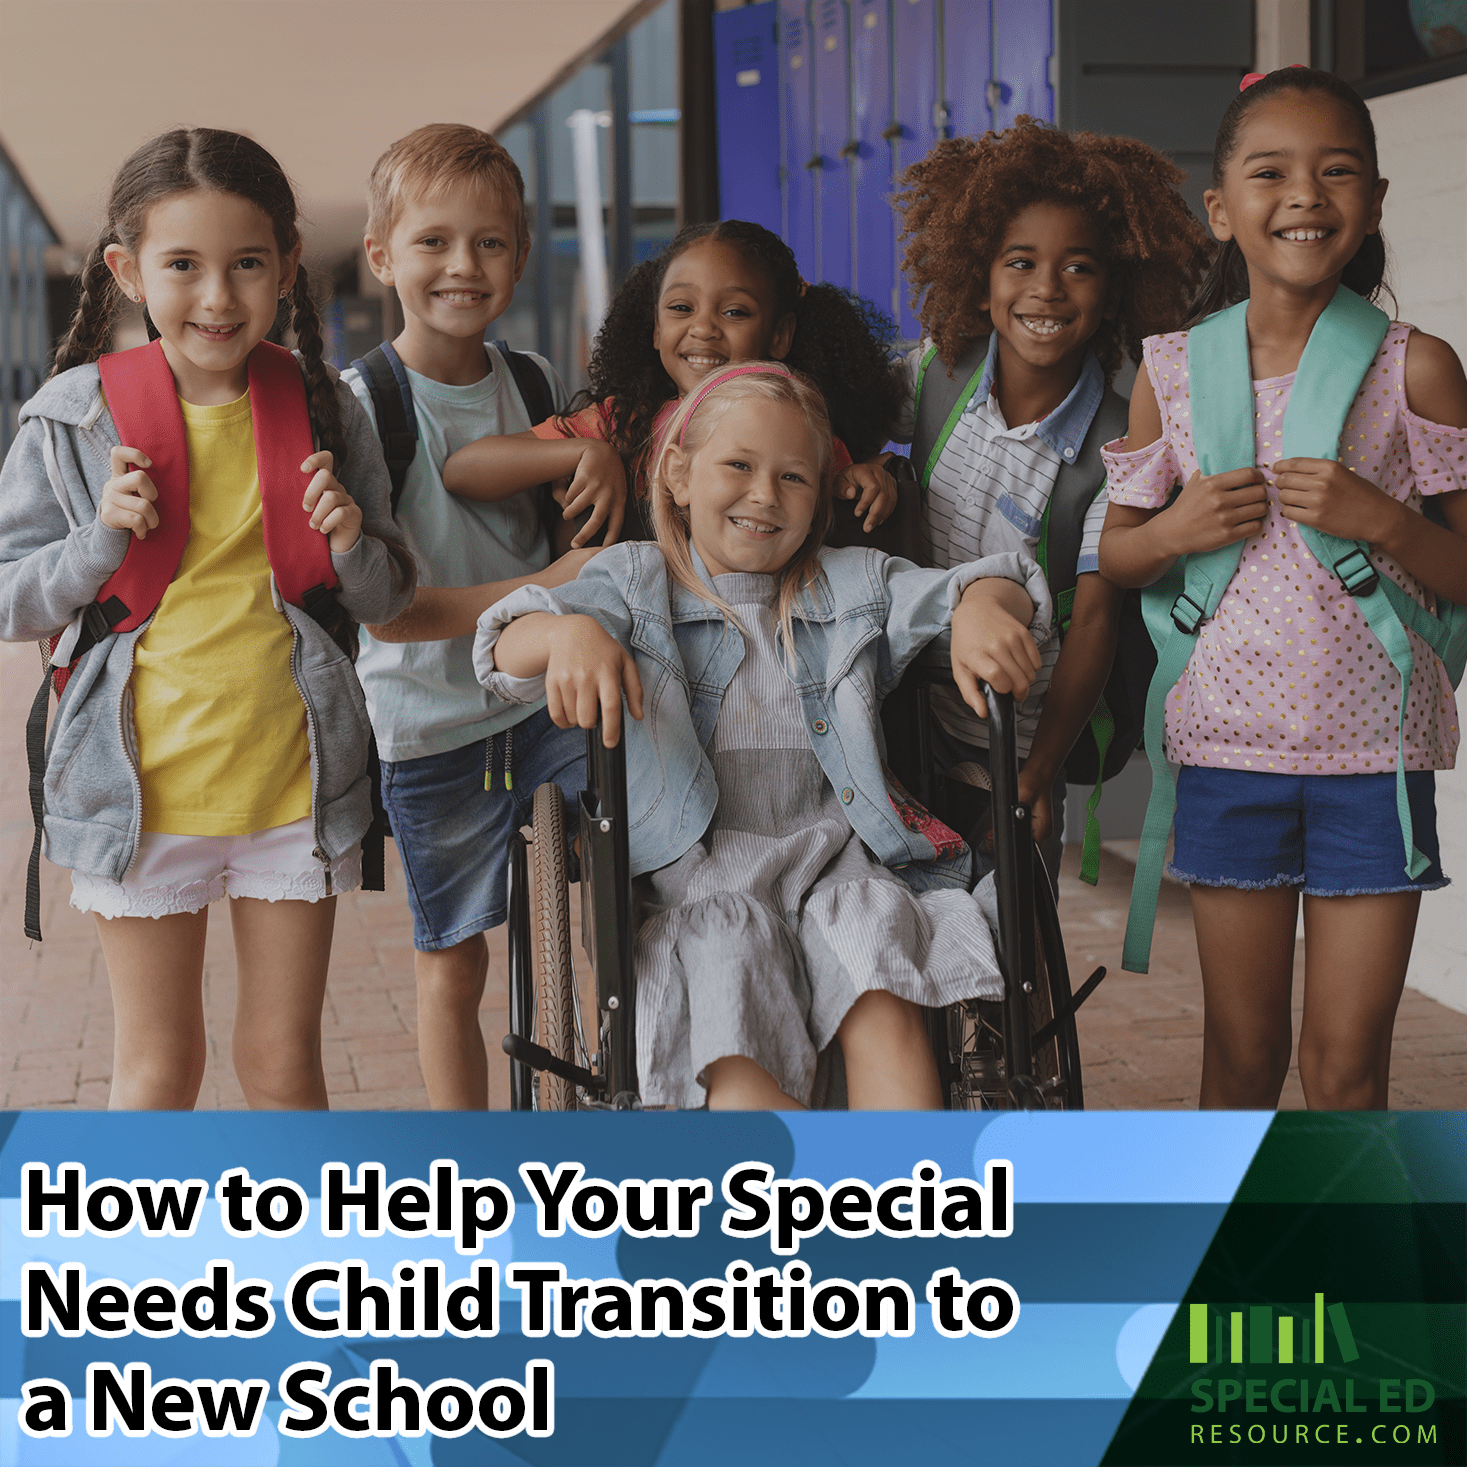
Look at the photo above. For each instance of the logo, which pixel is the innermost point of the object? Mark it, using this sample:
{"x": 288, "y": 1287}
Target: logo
{"x": 1263, "y": 1349}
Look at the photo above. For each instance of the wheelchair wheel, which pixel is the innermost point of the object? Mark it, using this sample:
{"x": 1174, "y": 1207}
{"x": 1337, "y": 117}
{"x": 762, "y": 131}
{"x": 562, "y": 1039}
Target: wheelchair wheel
{"x": 555, "y": 980}
{"x": 975, "y": 1074}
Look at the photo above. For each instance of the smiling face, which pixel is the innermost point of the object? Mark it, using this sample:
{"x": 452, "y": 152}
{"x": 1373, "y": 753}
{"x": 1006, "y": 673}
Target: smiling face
{"x": 750, "y": 488}
{"x": 211, "y": 272}
{"x": 454, "y": 259}
{"x": 1299, "y": 192}
{"x": 1048, "y": 286}
{"x": 716, "y": 309}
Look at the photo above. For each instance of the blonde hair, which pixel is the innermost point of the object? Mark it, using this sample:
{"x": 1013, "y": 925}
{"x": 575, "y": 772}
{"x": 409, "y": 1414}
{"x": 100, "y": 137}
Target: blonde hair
{"x": 437, "y": 157}
{"x": 696, "y": 417}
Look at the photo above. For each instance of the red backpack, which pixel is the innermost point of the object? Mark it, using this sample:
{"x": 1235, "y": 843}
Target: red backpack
{"x": 143, "y": 400}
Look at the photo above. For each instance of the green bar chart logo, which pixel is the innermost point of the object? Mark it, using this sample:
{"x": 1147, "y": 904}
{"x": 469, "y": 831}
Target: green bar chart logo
{"x": 1275, "y": 1335}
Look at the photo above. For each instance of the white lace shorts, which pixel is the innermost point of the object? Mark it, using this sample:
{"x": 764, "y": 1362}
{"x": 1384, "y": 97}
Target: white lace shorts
{"x": 184, "y": 873}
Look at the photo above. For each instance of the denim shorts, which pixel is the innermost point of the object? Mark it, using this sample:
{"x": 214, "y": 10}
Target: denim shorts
{"x": 1332, "y": 834}
{"x": 453, "y": 835}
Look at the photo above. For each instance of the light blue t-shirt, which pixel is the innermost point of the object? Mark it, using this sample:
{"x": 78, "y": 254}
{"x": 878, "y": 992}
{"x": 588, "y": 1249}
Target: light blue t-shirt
{"x": 423, "y": 697}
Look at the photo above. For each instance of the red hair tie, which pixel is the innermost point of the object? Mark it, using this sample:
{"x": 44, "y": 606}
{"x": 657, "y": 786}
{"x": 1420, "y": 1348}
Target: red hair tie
{"x": 1257, "y": 76}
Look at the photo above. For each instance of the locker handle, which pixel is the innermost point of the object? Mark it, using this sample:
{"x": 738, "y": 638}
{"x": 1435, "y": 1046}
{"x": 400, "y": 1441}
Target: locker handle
{"x": 818, "y": 161}
{"x": 896, "y": 130}
{"x": 851, "y": 150}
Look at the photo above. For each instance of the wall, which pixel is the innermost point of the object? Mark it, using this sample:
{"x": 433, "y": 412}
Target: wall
{"x": 1422, "y": 134}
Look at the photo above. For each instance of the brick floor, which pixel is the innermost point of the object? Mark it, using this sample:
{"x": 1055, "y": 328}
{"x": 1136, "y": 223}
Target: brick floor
{"x": 1140, "y": 1035}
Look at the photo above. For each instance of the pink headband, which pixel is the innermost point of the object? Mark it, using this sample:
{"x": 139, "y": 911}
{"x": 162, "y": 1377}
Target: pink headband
{"x": 744, "y": 369}
{"x": 1257, "y": 76}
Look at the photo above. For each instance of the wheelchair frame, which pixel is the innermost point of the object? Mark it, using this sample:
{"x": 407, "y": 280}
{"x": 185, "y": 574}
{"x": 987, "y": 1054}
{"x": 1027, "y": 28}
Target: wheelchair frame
{"x": 971, "y": 1068}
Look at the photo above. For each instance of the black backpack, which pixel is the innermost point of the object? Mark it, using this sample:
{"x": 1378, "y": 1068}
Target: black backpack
{"x": 392, "y": 401}
{"x": 1114, "y": 732}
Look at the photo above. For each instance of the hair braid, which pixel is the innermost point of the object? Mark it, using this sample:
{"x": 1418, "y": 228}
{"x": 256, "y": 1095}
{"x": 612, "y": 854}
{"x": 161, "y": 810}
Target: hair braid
{"x": 91, "y": 322}
{"x": 305, "y": 321}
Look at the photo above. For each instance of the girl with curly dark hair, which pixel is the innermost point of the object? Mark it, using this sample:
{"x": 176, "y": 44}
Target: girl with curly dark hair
{"x": 1041, "y": 257}
{"x": 719, "y": 294}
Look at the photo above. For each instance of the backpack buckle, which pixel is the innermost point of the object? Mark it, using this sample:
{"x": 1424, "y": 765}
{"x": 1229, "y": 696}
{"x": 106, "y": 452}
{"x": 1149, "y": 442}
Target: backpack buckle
{"x": 1356, "y": 573}
{"x": 1187, "y": 615}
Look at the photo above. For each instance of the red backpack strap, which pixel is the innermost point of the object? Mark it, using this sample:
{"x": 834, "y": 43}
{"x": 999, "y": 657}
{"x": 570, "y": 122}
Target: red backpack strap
{"x": 143, "y": 401}
{"x": 299, "y": 555}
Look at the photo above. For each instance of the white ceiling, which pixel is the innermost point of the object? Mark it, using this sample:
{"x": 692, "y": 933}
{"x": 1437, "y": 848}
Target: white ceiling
{"x": 325, "y": 85}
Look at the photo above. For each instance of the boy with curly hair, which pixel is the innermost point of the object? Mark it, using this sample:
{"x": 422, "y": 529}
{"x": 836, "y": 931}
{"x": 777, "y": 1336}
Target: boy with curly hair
{"x": 1041, "y": 257}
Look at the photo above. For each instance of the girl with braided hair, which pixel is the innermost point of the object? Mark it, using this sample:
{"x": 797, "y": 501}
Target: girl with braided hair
{"x": 218, "y": 746}
{"x": 719, "y": 294}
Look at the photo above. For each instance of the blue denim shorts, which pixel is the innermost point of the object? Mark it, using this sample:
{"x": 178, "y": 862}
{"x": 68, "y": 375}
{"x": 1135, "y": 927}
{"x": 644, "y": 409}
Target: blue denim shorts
{"x": 453, "y": 835}
{"x": 1332, "y": 834}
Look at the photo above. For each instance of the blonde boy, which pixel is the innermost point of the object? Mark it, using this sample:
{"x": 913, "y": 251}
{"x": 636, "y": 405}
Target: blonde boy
{"x": 446, "y": 229}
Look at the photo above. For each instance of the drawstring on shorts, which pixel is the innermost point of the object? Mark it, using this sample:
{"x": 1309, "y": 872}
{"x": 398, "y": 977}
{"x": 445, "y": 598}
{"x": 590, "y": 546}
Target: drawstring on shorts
{"x": 489, "y": 760}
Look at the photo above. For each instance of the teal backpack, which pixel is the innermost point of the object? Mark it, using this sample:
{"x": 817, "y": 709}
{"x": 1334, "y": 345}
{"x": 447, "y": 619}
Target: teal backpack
{"x": 1336, "y": 358}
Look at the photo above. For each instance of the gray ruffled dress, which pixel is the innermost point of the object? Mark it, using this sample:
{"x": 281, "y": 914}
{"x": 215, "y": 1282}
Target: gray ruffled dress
{"x": 758, "y": 940}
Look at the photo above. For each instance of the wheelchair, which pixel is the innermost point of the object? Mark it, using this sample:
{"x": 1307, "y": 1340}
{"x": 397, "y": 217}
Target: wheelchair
{"x": 1020, "y": 1052}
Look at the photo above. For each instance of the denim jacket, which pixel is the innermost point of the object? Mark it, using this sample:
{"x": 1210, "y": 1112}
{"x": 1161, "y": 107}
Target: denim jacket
{"x": 855, "y": 633}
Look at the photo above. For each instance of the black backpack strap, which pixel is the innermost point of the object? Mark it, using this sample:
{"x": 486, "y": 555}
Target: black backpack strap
{"x": 534, "y": 386}
{"x": 35, "y": 754}
{"x": 392, "y": 401}
{"x": 938, "y": 396}
{"x": 1075, "y": 488}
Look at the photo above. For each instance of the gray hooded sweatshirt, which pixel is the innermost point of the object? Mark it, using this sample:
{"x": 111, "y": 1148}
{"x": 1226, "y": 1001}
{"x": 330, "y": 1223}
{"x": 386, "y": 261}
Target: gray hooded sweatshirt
{"x": 54, "y": 557}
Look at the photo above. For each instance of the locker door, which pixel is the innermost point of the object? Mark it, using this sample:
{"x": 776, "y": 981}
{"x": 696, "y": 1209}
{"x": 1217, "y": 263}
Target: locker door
{"x": 746, "y": 72}
{"x": 914, "y": 106}
{"x": 799, "y": 135}
{"x": 873, "y": 271}
{"x": 831, "y": 81}
{"x": 1023, "y": 41}
{"x": 967, "y": 30}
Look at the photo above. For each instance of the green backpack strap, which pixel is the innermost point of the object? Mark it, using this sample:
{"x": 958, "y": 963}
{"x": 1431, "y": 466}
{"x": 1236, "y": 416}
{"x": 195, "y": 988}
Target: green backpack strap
{"x": 939, "y": 401}
{"x": 1339, "y": 353}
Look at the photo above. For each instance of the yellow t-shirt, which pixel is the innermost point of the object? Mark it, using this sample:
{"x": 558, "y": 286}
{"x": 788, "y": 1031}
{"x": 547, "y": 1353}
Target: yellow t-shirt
{"x": 221, "y": 729}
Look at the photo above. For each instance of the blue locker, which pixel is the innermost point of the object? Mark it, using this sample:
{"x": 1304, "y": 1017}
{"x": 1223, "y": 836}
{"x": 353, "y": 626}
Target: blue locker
{"x": 1023, "y": 40}
{"x": 746, "y": 73}
{"x": 915, "y": 105}
{"x": 831, "y": 81}
{"x": 873, "y": 262}
{"x": 967, "y": 33}
{"x": 797, "y": 112}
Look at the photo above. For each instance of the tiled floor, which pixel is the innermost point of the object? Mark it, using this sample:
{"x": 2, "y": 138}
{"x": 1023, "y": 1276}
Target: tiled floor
{"x": 1141, "y": 1036}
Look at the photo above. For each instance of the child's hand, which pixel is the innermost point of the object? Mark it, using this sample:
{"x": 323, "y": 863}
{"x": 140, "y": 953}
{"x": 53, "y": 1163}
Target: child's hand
{"x": 127, "y": 497}
{"x": 599, "y": 484}
{"x": 1038, "y": 795}
{"x": 1214, "y": 510}
{"x": 991, "y": 644}
{"x": 585, "y": 675}
{"x": 1326, "y": 496}
{"x": 873, "y": 489}
{"x": 333, "y": 511}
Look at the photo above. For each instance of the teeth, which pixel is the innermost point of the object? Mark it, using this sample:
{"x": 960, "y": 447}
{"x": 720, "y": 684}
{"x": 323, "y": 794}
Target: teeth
{"x": 757, "y": 528}
{"x": 703, "y": 361}
{"x": 460, "y": 296}
{"x": 1042, "y": 325}
{"x": 1303, "y": 234}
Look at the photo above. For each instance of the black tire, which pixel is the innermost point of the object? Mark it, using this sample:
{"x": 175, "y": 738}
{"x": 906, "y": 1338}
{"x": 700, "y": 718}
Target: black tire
{"x": 555, "y": 978}
{"x": 973, "y": 1069}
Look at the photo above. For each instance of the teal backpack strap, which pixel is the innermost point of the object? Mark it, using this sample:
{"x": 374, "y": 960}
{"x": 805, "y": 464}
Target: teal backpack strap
{"x": 1176, "y": 605}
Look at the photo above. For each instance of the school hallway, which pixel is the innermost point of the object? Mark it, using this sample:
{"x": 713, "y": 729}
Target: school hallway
{"x": 1140, "y": 1035}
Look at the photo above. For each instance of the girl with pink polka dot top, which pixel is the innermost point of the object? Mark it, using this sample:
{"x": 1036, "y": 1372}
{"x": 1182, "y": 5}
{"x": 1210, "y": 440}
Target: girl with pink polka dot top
{"x": 1287, "y": 720}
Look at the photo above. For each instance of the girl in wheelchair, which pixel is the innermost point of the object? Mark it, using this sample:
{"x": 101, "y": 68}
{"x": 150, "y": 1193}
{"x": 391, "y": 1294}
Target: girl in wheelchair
{"x": 788, "y": 891}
